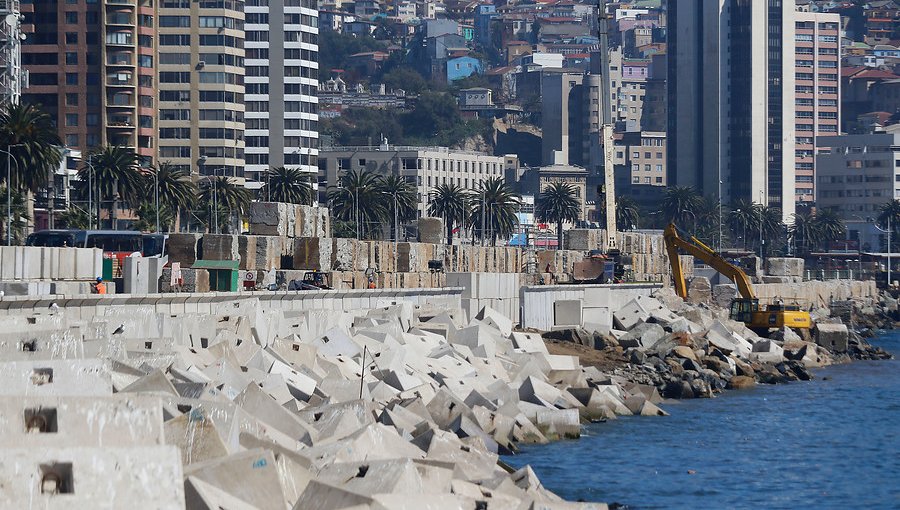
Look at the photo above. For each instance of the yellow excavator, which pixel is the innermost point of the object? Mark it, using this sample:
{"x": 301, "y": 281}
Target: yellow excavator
{"x": 746, "y": 308}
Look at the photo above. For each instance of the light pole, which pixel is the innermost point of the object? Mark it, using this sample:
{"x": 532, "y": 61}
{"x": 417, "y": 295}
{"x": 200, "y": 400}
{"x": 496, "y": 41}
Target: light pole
{"x": 9, "y": 158}
{"x": 888, "y": 232}
{"x": 90, "y": 192}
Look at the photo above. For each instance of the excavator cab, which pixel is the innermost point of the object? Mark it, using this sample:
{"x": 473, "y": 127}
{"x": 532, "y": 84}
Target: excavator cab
{"x": 742, "y": 309}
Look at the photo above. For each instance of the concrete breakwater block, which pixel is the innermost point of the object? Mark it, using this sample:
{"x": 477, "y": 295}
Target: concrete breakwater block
{"x": 784, "y": 266}
{"x": 834, "y": 337}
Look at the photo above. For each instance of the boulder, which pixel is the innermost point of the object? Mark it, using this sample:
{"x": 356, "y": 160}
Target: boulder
{"x": 699, "y": 290}
{"x": 684, "y": 352}
{"x": 784, "y": 266}
{"x": 741, "y": 382}
{"x": 644, "y": 335}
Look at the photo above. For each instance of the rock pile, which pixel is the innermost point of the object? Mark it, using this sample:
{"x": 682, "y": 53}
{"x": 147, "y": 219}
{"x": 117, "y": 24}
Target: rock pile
{"x": 394, "y": 407}
{"x": 686, "y": 351}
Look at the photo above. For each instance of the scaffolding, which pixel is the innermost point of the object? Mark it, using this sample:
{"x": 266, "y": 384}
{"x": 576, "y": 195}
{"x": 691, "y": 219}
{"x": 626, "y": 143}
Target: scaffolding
{"x": 12, "y": 78}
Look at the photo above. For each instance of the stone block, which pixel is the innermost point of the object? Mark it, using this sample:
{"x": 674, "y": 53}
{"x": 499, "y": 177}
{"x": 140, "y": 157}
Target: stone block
{"x": 699, "y": 290}
{"x": 184, "y": 248}
{"x": 723, "y": 294}
{"x": 220, "y": 247}
{"x": 271, "y": 219}
{"x": 247, "y": 252}
{"x": 784, "y": 266}
{"x": 833, "y": 337}
{"x": 312, "y": 253}
{"x": 630, "y": 315}
{"x": 431, "y": 230}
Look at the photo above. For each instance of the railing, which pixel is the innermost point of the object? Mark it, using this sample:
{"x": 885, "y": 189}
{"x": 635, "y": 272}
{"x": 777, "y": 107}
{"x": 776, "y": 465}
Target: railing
{"x": 838, "y": 274}
{"x": 401, "y": 148}
{"x": 119, "y": 19}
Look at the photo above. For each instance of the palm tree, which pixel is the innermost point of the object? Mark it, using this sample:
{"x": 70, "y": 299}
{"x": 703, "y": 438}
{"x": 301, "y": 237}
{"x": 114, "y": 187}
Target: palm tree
{"x": 452, "y": 203}
{"x": 679, "y": 203}
{"x": 115, "y": 175}
{"x": 225, "y": 196}
{"x": 20, "y": 217}
{"x": 495, "y": 211}
{"x": 805, "y": 232}
{"x": 628, "y": 213}
{"x": 557, "y": 204}
{"x": 889, "y": 217}
{"x": 29, "y": 135}
{"x": 830, "y": 225}
{"x": 708, "y": 213}
{"x": 742, "y": 219}
{"x": 289, "y": 185}
{"x": 177, "y": 192}
{"x": 357, "y": 198}
{"x": 146, "y": 213}
{"x": 74, "y": 218}
{"x": 401, "y": 198}
{"x": 770, "y": 226}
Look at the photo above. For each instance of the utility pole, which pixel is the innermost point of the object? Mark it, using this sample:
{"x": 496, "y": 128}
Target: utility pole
{"x": 12, "y": 78}
{"x": 609, "y": 170}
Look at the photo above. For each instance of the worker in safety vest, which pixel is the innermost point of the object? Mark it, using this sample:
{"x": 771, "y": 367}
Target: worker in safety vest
{"x": 99, "y": 287}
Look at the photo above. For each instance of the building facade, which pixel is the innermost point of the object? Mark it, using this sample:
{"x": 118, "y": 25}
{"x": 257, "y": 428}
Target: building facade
{"x": 92, "y": 67}
{"x": 422, "y": 167}
{"x": 201, "y": 86}
{"x": 856, "y": 176}
{"x": 818, "y": 88}
{"x": 731, "y": 100}
{"x": 282, "y": 81}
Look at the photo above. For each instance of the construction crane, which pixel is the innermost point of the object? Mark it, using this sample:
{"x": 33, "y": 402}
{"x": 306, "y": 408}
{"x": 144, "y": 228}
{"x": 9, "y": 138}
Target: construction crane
{"x": 744, "y": 309}
{"x": 609, "y": 171}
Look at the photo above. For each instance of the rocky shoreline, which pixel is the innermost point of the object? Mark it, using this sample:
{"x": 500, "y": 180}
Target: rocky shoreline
{"x": 695, "y": 351}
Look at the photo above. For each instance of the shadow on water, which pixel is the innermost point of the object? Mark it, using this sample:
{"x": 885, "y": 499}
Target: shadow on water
{"x": 833, "y": 442}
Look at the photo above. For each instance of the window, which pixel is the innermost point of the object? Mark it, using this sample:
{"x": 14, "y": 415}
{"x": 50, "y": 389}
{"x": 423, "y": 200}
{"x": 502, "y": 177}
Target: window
{"x": 636, "y": 155}
{"x": 71, "y": 99}
{"x": 71, "y": 79}
{"x": 71, "y": 18}
{"x": 174, "y": 58}
{"x": 145, "y": 41}
{"x": 71, "y": 37}
{"x": 175, "y": 95}
{"x": 71, "y": 58}
{"x": 92, "y": 119}
{"x": 145, "y": 60}
{"x": 71, "y": 119}
{"x": 174, "y": 21}
{"x": 174, "y": 40}
{"x": 72, "y": 140}
{"x": 174, "y": 114}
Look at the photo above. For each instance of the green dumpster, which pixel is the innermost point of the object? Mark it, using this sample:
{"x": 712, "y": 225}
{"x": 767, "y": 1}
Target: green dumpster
{"x": 223, "y": 274}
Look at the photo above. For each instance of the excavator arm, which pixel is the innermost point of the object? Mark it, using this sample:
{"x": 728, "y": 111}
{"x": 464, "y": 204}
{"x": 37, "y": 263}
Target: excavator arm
{"x": 708, "y": 256}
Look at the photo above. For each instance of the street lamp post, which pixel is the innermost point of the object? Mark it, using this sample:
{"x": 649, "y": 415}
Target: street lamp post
{"x": 9, "y": 159}
{"x": 156, "y": 196}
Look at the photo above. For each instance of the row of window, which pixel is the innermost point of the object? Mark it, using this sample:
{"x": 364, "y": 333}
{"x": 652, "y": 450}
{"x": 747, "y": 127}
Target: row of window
{"x": 822, "y": 76}
{"x": 232, "y": 5}
{"x": 647, "y": 155}
{"x": 646, "y": 180}
{"x": 824, "y": 64}
{"x": 205, "y": 40}
{"x": 647, "y": 168}
{"x": 809, "y": 89}
{"x": 806, "y": 101}
{"x": 822, "y": 38}
{"x": 202, "y": 22}
{"x": 289, "y": 106}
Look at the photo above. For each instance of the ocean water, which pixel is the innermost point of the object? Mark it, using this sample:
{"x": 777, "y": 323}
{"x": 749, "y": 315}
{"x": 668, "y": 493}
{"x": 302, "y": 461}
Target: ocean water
{"x": 833, "y": 442}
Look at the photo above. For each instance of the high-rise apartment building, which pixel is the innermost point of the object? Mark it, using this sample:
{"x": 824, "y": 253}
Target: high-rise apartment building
{"x": 731, "y": 116}
{"x": 282, "y": 78}
{"x": 818, "y": 86}
{"x": 92, "y": 68}
{"x": 201, "y": 86}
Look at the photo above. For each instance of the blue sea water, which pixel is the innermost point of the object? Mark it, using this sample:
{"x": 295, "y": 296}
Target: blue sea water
{"x": 833, "y": 442}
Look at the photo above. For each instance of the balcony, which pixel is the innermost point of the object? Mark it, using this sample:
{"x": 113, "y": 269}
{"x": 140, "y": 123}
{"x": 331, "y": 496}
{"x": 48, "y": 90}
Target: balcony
{"x": 120, "y": 59}
{"x": 119, "y": 39}
{"x": 120, "y": 100}
{"x": 120, "y": 80}
{"x": 120, "y": 18}
{"x": 120, "y": 2}
{"x": 119, "y": 121}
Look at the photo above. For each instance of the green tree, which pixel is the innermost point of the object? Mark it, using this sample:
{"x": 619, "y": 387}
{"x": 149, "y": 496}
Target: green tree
{"x": 742, "y": 220}
{"x": 771, "y": 227}
{"x": 35, "y": 150}
{"x": 221, "y": 195}
{"x": 557, "y": 204}
{"x": 19, "y": 215}
{"x": 340, "y": 46}
{"x": 830, "y": 225}
{"x": 401, "y": 198}
{"x": 434, "y": 112}
{"x": 889, "y": 218}
{"x": 406, "y": 78}
{"x": 494, "y": 214}
{"x": 628, "y": 213}
{"x": 146, "y": 213}
{"x": 452, "y": 203}
{"x": 357, "y": 198}
{"x": 74, "y": 218}
{"x": 805, "y": 232}
{"x": 177, "y": 193}
{"x": 680, "y": 204}
{"x": 289, "y": 185}
{"x": 114, "y": 173}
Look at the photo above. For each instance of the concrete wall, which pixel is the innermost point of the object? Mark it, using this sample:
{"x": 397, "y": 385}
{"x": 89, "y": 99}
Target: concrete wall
{"x": 498, "y": 291}
{"x": 38, "y": 263}
{"x": 544, "y": 307}
{"x": 87, "y": 306}
{"x": 817, "y": 293}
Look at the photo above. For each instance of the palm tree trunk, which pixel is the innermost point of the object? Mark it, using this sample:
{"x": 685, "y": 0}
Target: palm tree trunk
{"x": 449, "y": 233}
{"x": 29, "y": 202}
{"x": 559, "y": 235}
